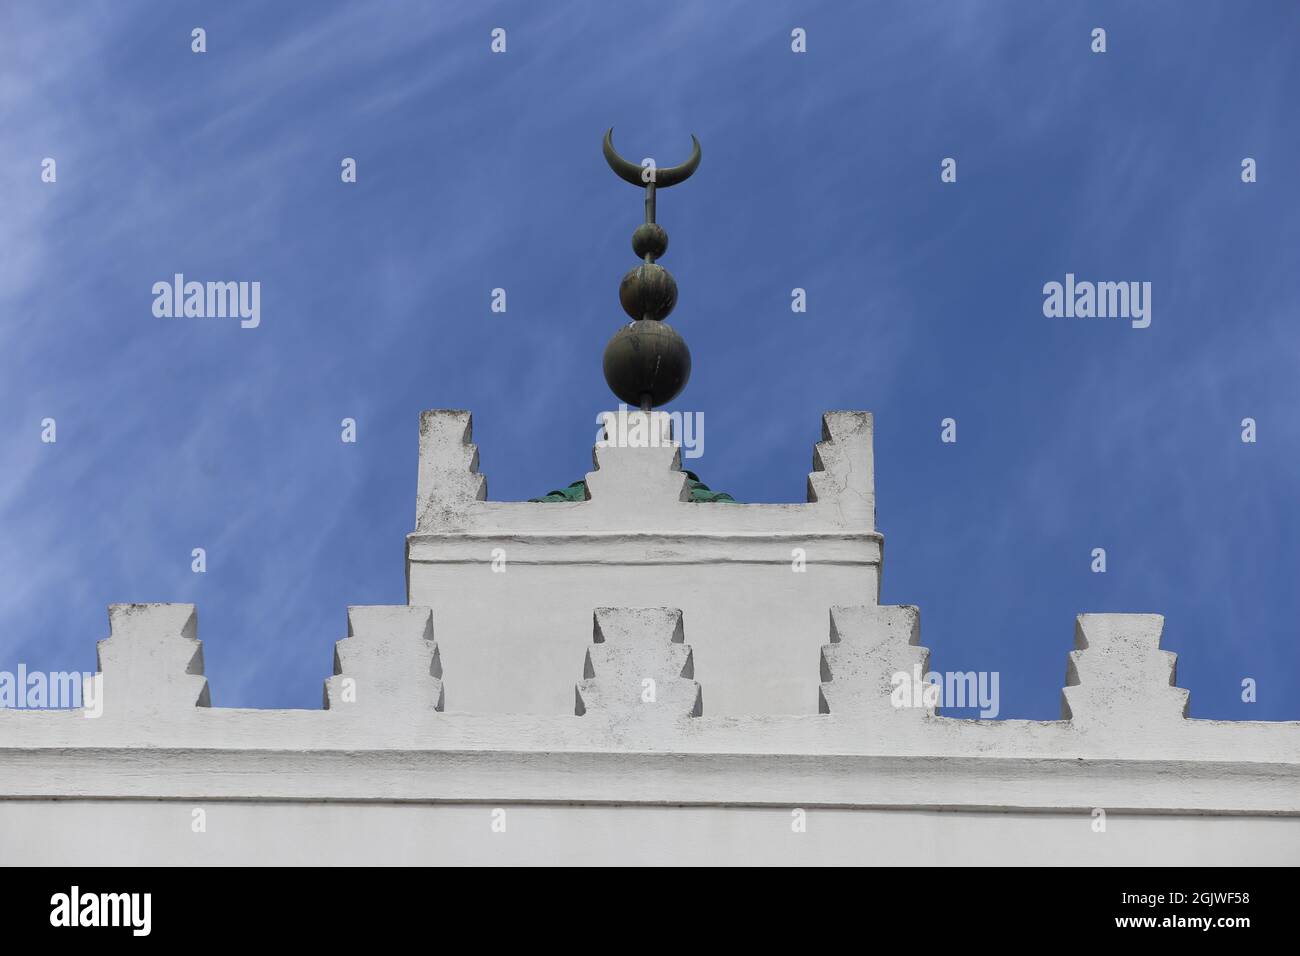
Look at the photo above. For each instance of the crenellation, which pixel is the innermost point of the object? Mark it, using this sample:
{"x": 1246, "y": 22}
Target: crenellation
{"x": 389, "y": 663}
{"x": 844, "y": 471}
{"x": 449, "y": 480}
{"x": 871, "y": 645}
{"x": 639, "y": 666}
{"x": 152, "y": 661}
{"x": 638, "y": 464}
{"x": 1118, "y": 675}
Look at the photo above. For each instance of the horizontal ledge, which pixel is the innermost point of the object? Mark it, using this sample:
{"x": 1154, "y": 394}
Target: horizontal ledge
{"x": 670, "y": 517}
{"x": 669, "y": 547}
{"x": 979, "y": 784}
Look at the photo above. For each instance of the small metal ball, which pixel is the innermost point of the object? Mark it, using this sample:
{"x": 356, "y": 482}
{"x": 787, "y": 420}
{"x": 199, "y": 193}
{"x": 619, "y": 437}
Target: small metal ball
{"x": 647, "y": 358}
{"x": 649, "y": 240}
{"x": 648, "y": 292}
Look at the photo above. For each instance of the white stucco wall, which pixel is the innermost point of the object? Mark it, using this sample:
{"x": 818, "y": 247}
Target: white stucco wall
{"x": 313, "y": 834}
{"x": 417, "y": 748}
{"x": 514, "y": 640}
{"x": 513, "y": 634}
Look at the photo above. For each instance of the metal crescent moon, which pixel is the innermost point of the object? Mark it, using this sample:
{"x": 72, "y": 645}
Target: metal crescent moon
{"x": 631, "y": 172}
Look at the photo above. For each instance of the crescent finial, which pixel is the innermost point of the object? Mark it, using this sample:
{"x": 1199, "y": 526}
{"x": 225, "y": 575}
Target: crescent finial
{"x": 631, "y": 172}
{"x": 647, "y": 362}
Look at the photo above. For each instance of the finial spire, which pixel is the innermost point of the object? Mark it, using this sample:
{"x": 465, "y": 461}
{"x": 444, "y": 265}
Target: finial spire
{"x": 647, "y": 363}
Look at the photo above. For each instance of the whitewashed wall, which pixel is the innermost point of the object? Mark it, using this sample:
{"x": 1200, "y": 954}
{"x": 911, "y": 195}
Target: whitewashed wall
{"x": 513, "y": 636}
{"x": 394, "y": 770}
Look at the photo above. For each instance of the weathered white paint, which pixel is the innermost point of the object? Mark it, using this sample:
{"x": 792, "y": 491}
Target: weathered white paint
{"x": 388, "y": 665}
{"x": 639, "y": 667}
{"x": 384, "y": 775}
{"x": 756, "y": 624}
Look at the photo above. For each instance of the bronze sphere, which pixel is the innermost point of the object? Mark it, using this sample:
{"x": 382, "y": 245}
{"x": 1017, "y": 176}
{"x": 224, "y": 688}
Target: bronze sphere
{"x": 647, "y": 358}
{"x": 649, "y": 239}
{"x": 648, "y": 292}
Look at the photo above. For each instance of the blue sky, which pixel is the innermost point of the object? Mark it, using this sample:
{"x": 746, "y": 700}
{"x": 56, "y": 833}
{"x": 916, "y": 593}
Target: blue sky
{"x": 820, "y": 171}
